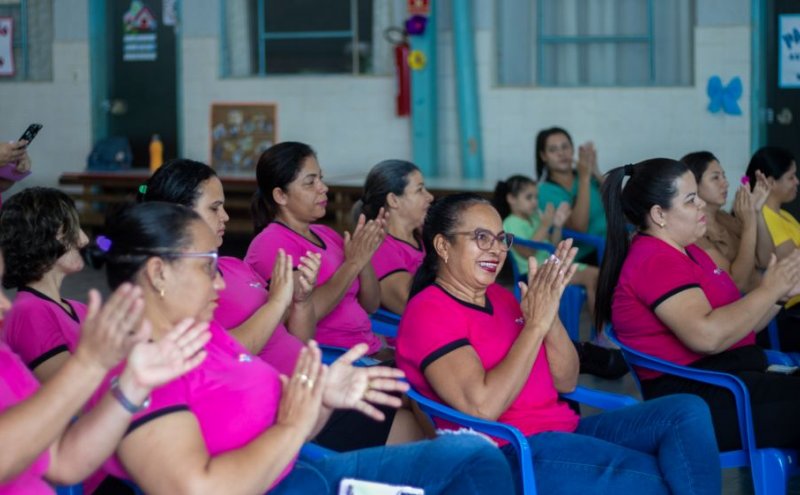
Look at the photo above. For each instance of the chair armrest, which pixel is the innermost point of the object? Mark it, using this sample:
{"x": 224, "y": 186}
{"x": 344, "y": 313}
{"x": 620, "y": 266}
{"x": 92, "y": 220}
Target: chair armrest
{"x": 600, "y": 399}
{"x": 778, "y": 357}
{"x": 312, "y": 452}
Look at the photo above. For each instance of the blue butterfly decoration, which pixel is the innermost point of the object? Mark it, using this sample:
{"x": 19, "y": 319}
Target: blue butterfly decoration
{"x": 723, "y": 97}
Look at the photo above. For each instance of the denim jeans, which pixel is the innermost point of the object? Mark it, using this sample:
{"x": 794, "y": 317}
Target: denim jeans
{"x": 450, "y": 464}
{"x": 660, "y": 446}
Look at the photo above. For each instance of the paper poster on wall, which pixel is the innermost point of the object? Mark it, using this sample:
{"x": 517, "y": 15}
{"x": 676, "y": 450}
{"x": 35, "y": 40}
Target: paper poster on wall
{"x": 789, "y": 51}
{"x": 7, "y": 68}
{"x": 240, "y": 132}
{"x": 169, "y": 12}
{"x": 139, "y": 41}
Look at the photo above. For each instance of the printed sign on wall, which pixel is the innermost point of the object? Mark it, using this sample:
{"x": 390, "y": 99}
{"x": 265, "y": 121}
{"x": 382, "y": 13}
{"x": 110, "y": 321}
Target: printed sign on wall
{"x": 789, "y": 51}
{"x": 7, "y": 68}
{"x": 139, "y": 43}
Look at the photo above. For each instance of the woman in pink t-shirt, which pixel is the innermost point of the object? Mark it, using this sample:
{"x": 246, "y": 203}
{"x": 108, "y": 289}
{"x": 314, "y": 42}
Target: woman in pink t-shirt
{"x": 41, "y": 238}
{"x": 39, "y": 437}
{"x": 464, "y": 340}
{"x": 235, "y": 425}
{"x": 290, "y": 199}
{"x": 668, "y": 298}
{"x": 245, "y": 307}
{"x": 398, "y": 188}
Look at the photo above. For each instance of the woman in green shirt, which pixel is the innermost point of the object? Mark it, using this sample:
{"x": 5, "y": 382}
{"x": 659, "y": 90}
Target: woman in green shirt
{"x": 561, "y": 181}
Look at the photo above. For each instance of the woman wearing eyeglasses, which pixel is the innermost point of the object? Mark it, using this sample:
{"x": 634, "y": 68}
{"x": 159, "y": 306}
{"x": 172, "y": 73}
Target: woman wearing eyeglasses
{"x": 562, "y": 181}
{"x": 234, "y": 425}
{"x": 465, "y": 340}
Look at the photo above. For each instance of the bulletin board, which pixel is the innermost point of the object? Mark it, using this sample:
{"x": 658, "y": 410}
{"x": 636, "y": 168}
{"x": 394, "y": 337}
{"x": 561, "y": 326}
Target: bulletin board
{"x": 240, "y": 132}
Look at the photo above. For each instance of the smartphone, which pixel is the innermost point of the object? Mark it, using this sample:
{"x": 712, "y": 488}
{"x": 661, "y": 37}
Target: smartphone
{"x": 30, "y": 133}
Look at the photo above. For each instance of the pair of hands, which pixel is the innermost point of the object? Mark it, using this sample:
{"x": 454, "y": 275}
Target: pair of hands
{"x": 365, "y": 239}
{"x": 118, "y": 330}
{"x": 340, "y": 386}
{"x": 546, "y": 283}
{"x": 587, "y": 161}
{"x": 287, "y": 285}
{"x": 747, "y": 204}
{"x": 783, "y": 276}
{"x": 556, "y": 217}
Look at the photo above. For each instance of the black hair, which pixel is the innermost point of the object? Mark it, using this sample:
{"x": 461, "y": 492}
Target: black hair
{"x": 651, "y": 182}
{"x": 541, "y": 143}
{"x": 772, "y": 161}
{"x": 278, "y": 166}
{"x": 698, "y": 163}
{"x": 443, "y": 217}
{"x": 513, "y": 186}
{"x": 388, "y": 176}
{"x": 141, "y": 231}
{"x": 38, "y": 225}
{"x": 177, "y": 181}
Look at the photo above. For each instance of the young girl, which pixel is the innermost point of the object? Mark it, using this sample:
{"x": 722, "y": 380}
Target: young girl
{"x": 516, "y": 200}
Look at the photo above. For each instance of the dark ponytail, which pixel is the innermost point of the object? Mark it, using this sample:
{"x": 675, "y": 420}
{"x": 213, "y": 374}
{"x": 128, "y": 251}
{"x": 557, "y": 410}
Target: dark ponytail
{"x": 443, "y": 217}
{"x": 278, "y": 167}
{"x": 651, "y": 182}
{"x": 541, "y": 144}
{"x": 513, "y": 186}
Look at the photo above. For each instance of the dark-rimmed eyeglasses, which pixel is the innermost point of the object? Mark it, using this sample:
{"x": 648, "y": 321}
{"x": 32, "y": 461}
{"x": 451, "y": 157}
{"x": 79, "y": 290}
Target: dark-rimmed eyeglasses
{"x": 485, "y": 239}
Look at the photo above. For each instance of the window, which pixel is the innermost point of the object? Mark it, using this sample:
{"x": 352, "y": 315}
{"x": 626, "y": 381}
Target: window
{"x": 263, "y": 37}
{"x": 595, "y": 42}
{"x": 33, "y": 38}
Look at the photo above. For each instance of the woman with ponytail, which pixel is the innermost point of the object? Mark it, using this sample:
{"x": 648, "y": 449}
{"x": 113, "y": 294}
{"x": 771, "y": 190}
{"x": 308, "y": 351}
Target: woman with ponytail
{"x": 398, "y": 188}
{"x": 290, "y": 200}
{"x": 466, "y": 341}
{"x": 666, "y": 297}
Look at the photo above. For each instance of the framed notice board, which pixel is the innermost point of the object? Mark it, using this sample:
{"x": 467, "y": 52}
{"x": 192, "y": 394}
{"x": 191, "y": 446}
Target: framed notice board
{"x": 240, "y": 132}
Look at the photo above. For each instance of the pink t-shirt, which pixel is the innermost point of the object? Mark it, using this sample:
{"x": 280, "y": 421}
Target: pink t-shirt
{"x": 233, "y": 395}
{"x": 395, "y": 256}
{"x": 245, "y": 292}
{"x": 18, "y": 384}
{"x": 347, "y": 324}
{"x": 37, "y": 328}
{"x": 653, "y": 272}
{"x": 436, "y": 323}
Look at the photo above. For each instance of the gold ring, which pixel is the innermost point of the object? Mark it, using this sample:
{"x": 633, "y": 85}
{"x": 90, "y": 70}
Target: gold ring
{"x": 309, "y": 383}
{"x": 303, "y": 378}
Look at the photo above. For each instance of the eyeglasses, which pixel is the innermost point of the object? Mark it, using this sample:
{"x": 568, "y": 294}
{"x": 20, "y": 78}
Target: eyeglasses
{"x": 485, "y": 239}
{"x": 141, "y": 254}
{"x": 213, "y": 255}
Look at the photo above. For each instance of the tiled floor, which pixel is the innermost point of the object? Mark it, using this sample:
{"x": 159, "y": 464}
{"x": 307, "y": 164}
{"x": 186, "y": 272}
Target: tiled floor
{"x": 735, "y": 482}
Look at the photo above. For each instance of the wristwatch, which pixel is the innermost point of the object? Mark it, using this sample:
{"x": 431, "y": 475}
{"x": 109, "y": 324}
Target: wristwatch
{"x": 129, "y": 406}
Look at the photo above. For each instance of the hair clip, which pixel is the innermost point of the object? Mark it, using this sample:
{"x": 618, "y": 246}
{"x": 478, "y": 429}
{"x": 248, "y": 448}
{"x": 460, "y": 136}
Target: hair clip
{"x": 143, "y": 189}
{"x": 103, "y": 242}
{"x": 745, "y": 180}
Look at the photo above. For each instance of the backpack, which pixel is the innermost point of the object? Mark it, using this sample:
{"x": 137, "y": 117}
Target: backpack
{"x": 109, "y": 154}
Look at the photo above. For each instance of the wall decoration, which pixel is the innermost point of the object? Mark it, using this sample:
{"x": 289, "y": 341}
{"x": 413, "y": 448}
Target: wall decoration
{"x": 240, "y": 132}
{"x": 725, "y": 98}
{"x": 789, "y": 51}
{"x": 139, "y": 41}
{"x": 7, "y": 67}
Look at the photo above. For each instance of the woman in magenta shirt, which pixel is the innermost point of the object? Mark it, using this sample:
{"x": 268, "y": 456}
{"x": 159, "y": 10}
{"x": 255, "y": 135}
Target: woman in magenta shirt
{"x": 235, "y": 425}
{"x": 40, "y": 440}
{"x": 666, "y": 297}
{"x": 244, "y": 305}
{"x": 291, "y": 198}
{"x": 398, "y": 188}
{"x": 464, "y": 340}
{"x": 41, "y": 239}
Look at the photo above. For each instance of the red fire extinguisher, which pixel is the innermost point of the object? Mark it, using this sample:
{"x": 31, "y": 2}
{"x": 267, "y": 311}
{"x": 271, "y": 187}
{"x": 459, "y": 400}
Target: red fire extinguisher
{"x": 398, "y": 38}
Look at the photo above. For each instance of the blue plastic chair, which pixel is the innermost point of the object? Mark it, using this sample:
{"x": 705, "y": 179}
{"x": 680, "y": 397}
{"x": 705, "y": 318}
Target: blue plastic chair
{"x": 775, "y": 343}
{"x": 595, "y": 398}
{"x": 597, "y": 242}
{"x": 572, "y": 301}
{"x": 770, "y": 467}
{"x": 385, "y": 323}
{"x": 70, "y": 490}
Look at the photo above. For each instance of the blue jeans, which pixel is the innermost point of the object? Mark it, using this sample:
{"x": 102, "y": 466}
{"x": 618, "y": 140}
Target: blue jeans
{"x": 451, "y": 464}
{"x": 660, "y": 446}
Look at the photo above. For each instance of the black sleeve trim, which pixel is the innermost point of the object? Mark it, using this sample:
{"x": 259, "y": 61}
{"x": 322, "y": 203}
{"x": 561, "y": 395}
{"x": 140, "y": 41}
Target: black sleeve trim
{"x": 672, "y": 293}
{"x": 154, "y": 415}
{"x": 392, "y": 273}
{"x": 47, "y": 355}
{"x": 433, "y": 356}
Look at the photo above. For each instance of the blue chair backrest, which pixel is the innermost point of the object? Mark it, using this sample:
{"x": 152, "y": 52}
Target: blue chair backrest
{"x": 385, "y": 323}
{"x": 599, "y": 243}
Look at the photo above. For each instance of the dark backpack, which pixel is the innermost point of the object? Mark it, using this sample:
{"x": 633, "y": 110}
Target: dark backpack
{"x": 111, "y": 153}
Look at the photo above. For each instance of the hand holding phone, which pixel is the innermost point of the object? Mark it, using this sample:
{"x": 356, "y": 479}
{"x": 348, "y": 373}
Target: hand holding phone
{"x": 30, "y": 133}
